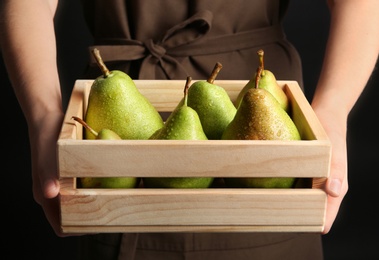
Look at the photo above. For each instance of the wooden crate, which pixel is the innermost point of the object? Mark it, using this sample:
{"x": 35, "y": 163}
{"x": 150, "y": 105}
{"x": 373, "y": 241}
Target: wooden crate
{"x": 218, "y": 209}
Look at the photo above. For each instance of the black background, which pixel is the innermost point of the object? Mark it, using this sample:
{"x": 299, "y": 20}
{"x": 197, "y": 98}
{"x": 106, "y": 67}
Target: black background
{"x": 25, "y": 230}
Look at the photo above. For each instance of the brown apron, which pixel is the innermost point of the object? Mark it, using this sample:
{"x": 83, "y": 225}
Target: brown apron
{"x": 172, "y": 39}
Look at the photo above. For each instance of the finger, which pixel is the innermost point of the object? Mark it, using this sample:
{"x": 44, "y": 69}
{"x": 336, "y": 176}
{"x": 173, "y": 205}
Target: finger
{"x": 338, "y": 170}
{"x": 332, "y": 209}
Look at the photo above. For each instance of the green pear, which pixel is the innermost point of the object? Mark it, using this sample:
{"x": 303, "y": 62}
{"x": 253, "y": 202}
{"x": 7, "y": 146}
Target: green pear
{"x": 267, "y": 81}
{"x": 260, "y": 182}
{"x": 109, "y": 182}
{"x": 182, "y": 124}
{"x": 213, "y": 105}
{"x": 105, "y": 182}
{"x": 104, "y": 134}
{"x": 115, "y": 103}
{"x": 260, "y": 117}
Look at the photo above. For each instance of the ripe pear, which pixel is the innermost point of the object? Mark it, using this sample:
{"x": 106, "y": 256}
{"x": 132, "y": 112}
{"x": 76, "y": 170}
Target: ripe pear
{"x": 213, "y": 105}
{"x": 115, "y": 103}
{"x": 266, "y": 80}
{"x": 105, "y": 182}
{"x": 260, "y": 117}
{"x": 182, "y": 124}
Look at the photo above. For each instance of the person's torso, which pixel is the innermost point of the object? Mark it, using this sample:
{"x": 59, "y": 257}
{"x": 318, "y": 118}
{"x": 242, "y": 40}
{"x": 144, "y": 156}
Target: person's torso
{"x": 172, "y": 39}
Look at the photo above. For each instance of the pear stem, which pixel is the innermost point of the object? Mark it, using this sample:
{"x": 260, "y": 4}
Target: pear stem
{"x": 258, "y": 76}
{"x": 100, "y": 62}
{"x": 261, "y": 67}
{"x": 215, "y": 72}
{"x": 81, "y": 121}
{"x": 260, "y": 56}
{"x": 186, "y": 87}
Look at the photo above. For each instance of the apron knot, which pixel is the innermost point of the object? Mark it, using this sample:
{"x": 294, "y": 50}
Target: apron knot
{"x": 155, "y": 50}
{"x": 160, "y": 56}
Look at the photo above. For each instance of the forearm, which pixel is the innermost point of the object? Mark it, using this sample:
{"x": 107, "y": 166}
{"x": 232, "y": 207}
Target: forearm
{"x": 351, "y": 54}
{"x": 29, "y": 51}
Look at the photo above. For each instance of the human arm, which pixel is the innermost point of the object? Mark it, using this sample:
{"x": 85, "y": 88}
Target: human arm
{"x": 29, "y": 51}
{"x": 351, "y": 53}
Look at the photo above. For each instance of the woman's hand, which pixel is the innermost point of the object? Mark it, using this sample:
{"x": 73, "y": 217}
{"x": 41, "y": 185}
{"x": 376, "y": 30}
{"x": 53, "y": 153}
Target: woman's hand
{"x": 43, "y": 141}
{"x": 337, "y": 184}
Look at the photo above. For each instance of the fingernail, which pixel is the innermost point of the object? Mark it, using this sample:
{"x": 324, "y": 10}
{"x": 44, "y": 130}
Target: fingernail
{"x": 335, "y": 187}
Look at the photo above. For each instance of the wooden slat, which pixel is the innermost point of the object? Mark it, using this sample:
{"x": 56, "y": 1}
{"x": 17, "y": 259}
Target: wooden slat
{"x": 193, "y": 158}
{"x": 156, "y": 207}
{"x": 165, "y": 228}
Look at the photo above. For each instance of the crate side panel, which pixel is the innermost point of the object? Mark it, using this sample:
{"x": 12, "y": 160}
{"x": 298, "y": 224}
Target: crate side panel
{"x": 75, "y": 108}
{"x": 160, "y": 158}
{"x": 303, "y": 114}
{"x": 199, "y": 207}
